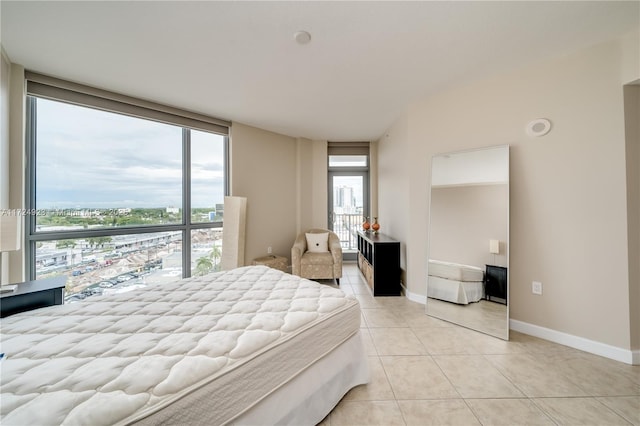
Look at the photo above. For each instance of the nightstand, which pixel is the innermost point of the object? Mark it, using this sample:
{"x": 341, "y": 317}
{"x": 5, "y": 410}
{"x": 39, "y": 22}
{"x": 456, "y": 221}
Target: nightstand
{"x": 495, "y": 282}
{"x": 31, "y": 295}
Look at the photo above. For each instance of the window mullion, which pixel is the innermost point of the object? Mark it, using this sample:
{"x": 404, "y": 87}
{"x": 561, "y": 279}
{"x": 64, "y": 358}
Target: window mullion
{"x": 30, "y": 179}
{"x": 186, "y": 202}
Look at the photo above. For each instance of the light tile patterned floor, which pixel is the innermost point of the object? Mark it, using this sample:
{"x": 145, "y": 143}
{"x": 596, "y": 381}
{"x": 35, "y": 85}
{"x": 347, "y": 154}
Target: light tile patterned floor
{"x": 429, "y": 372}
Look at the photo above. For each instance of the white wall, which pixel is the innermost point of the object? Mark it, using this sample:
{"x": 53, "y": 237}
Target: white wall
{"x": 263, "y": 169}
{"x": 285, "y": 182}
{"x": 393, "y": 190}
{"x": 311, "y": 184}
{"x": 568, "y": 189}
{"x": 317, "y": 187}
{"x": 5, "y": 80}
{"x": 632, "y": 136}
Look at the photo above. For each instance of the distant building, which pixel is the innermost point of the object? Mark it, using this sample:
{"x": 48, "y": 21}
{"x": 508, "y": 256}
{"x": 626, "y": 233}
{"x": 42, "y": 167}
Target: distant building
{"x": 53, "y": 257}
{"x": 173, "y": 210}
{"x": 344, "y": 199}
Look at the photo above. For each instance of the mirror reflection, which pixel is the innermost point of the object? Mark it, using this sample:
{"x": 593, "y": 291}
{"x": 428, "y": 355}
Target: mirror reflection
{"x": 469, "y": 240}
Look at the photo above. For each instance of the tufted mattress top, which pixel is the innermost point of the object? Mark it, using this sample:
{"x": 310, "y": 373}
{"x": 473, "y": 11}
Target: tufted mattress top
{"x": 207, "y": 347}
{"x": 455, "y": 271}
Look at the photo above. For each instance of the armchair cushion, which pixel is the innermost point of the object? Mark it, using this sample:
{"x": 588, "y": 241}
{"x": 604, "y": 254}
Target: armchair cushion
{"x": 317, "y": 243}
{"x": 311, "y": 258}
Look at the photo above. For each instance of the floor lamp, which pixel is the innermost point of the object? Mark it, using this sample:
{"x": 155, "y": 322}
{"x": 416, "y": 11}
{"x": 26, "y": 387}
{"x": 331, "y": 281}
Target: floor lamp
{"x": 9, "y": 236}
{"x": 233, "y": 232}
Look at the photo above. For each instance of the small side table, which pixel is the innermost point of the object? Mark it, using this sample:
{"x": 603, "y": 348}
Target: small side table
{"x": 31, "y": 295}
{"x": 272, "y": 261}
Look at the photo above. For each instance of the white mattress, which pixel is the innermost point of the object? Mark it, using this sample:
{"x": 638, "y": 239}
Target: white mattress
{"x": 461, "y": 292}
{"x": 207, "y": 347}
{"x": 455, "y": 271}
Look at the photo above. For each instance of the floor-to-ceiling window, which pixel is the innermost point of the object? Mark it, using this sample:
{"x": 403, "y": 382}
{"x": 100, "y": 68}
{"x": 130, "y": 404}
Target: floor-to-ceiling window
{"x": 120, "y": 194}
{"x": 348, "y": 172}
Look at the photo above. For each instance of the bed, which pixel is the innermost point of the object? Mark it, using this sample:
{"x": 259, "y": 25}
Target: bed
{"x": 454, "y": 282}
{"x": 253, "y": 345}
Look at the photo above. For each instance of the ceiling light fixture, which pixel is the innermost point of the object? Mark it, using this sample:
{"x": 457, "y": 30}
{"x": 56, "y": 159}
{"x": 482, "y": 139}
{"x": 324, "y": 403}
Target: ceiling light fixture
{"x": 302, "y": 37}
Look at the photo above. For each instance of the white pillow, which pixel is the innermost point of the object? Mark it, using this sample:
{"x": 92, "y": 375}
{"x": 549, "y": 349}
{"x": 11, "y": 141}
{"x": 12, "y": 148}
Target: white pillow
{"x": 318, "y": 243}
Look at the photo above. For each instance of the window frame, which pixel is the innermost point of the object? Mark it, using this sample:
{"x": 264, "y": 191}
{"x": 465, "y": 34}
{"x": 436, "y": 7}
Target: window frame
{"x": 86, "y": 98}
{"x": 338, "y": 149}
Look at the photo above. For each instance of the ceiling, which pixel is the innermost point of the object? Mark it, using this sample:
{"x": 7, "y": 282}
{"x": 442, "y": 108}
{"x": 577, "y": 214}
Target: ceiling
{"x": 237, "y": 60}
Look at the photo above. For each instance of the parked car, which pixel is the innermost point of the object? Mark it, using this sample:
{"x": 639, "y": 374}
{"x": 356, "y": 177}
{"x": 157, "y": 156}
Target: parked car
{"x": 124, "y": 277}
{"x": 76, "y": 296}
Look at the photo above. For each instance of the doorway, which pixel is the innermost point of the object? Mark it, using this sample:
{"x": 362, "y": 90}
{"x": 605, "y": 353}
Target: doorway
{"x": 348, "y": 192}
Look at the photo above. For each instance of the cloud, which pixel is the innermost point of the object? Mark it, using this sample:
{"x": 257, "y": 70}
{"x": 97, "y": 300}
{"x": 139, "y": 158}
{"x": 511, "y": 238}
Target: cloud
{"x": 89, "y": 158}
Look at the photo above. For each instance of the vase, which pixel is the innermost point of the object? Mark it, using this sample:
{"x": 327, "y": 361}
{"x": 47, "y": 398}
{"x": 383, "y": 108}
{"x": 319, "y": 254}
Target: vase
{"x": 366, "y": 225}
{"x": 376, "y": 225}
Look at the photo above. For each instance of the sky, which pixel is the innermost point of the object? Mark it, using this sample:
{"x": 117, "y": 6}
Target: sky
{"x": 88, "y": 158}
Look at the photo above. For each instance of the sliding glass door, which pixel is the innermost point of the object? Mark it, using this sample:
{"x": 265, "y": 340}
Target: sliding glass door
{"x": 348, "y": 199}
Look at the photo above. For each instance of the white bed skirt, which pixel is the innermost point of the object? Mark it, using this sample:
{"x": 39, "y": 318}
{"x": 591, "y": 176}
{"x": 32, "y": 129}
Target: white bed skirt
{"x": 310, "y": 396}
{"x": 458, "y": 292}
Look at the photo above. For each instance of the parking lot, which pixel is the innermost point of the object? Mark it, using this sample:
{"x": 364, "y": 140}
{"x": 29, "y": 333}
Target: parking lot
{"x": 119, "y": 275}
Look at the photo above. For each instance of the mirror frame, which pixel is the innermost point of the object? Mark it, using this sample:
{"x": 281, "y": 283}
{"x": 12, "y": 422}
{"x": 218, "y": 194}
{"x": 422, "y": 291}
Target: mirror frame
{"x": 502, "y": 334}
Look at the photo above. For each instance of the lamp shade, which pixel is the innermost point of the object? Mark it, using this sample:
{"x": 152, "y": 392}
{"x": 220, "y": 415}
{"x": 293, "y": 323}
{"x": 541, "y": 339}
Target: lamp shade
{"x": 10, "y": 233}
{"x": 494, "y": 246}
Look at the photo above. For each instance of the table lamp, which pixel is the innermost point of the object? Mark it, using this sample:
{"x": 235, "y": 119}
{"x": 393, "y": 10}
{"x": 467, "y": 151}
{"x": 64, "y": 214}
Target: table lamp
{"x": 494, "y": 248}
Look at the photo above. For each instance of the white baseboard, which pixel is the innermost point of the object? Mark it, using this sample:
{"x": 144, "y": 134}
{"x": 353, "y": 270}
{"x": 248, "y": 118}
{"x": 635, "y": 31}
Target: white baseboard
{"x": 591, "y": 346}
{"x": 597, "y": 348}
{"x": 414, "y": 297}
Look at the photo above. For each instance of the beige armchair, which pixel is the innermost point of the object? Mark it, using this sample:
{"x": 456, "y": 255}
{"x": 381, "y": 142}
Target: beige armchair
{"x": 317, "y": 265}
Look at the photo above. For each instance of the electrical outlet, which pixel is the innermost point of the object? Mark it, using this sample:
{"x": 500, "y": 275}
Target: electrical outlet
{"x": 269, "y": 250}
{"x": 536, "y": 288}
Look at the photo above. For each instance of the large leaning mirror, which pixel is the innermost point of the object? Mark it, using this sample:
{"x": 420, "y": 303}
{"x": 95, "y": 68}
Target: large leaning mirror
{"x": 468, "y": 265}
